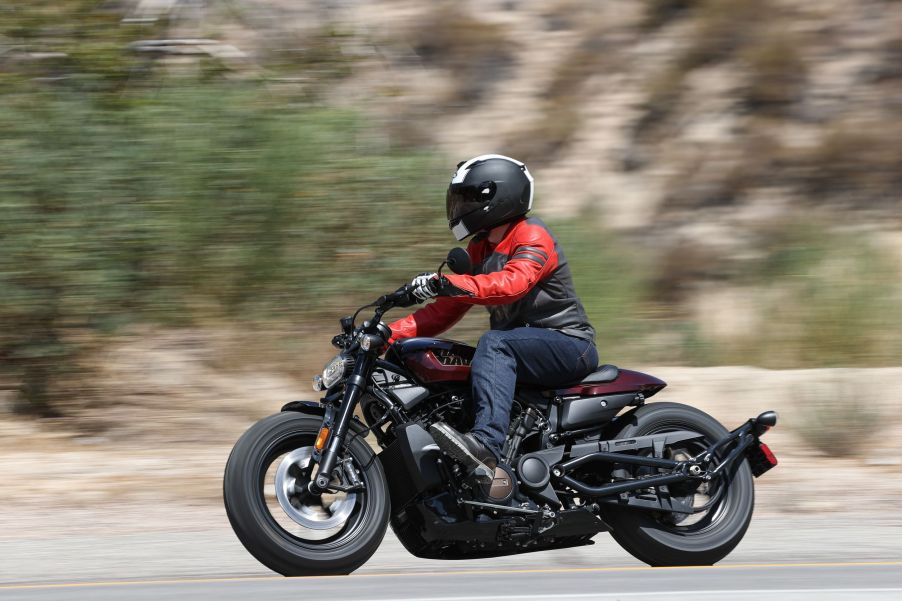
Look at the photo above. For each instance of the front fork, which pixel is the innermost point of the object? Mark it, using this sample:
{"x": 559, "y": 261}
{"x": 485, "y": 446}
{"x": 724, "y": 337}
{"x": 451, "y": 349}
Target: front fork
{"x": 355, "y": 386}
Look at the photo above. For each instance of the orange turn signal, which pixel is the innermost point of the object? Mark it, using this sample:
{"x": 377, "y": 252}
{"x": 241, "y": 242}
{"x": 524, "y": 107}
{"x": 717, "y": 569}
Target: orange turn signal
{"x": 321, "y": 439}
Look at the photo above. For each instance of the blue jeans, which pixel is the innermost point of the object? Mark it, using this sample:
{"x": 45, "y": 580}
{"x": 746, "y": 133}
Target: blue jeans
{"x": 535, "y": 356}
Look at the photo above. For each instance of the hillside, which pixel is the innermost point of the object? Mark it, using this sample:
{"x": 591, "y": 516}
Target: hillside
{"x": 724, "y": 174}
{"x": 743, "y": 156}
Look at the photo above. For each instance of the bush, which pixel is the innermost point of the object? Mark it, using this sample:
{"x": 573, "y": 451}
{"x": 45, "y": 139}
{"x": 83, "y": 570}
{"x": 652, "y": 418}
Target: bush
{"x": 610, "y": 278}
{"x": 559, "y": 118}
{"x": 776, "y": 73}
{"x": 721, "y": 28}
{"x": 83, "y": 42}
{"x": 857, "y": 164}
{"x": 476, "y": 53}
{"x": 196, "y": 203}
{"x": 827, "y": 298}
{"x": 837, "y": 418}
{"x": 660, "y": 12}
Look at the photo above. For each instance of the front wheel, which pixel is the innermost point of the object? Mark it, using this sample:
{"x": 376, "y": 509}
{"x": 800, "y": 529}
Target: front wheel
{"x": 287, "y": 530}
{"x": 725, "y": 505}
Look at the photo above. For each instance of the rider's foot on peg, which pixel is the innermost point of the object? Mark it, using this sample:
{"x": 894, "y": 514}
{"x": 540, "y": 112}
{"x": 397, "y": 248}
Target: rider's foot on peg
{"x": 466, "y": 448}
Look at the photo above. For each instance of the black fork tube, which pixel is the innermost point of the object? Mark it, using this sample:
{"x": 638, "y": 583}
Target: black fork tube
{"x": 354, "y": 387}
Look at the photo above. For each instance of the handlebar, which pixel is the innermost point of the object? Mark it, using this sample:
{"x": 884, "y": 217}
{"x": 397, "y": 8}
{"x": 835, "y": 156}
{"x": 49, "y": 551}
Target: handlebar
{"x": 401, "y": 297}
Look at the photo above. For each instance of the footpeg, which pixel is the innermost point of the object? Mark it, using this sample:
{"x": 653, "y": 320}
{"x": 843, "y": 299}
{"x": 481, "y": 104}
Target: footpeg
{"x": 482, "y": 472}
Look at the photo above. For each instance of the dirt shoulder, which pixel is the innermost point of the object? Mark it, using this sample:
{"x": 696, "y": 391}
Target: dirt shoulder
{"x": 169, "y": 447}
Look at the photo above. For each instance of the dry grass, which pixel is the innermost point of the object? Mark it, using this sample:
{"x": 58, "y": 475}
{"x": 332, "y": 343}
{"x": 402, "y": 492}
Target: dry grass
{"x": 679, "y": 270}
{"x": 720, "y": 30}
{"x": 476, "y": 53}
{"x": 660, "y": 12}
{"x": 562, "y": 100}
{"x": 857, "y": 163}
{"x": 837, "y": 417}
{"x": 722, "y": 27}
{"x": 776, "y": 73}
{"x": 718, "y": 175}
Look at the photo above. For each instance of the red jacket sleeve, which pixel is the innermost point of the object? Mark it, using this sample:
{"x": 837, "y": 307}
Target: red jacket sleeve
{"x": 438, "y": 316}
{"x": 431, "y": 320}
{"x": 531, "y": 258}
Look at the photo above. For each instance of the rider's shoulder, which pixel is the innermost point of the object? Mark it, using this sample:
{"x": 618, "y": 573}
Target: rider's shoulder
{"x": 531, "y": 230}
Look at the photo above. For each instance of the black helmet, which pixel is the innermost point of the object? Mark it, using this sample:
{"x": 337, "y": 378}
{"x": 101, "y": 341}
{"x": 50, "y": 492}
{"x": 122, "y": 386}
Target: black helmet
{"x": 486, "y": 191}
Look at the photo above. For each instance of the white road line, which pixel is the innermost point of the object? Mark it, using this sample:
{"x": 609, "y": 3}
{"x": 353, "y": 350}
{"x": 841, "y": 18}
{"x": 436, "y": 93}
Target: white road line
{"x": 624, "y": 594}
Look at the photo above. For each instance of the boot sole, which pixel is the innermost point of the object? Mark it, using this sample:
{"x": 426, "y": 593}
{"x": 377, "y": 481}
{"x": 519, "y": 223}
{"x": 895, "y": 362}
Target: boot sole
{"x": 449, "y": 444}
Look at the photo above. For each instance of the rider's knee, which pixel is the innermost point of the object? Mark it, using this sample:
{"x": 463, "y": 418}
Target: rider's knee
{"x": 491, "y": 339}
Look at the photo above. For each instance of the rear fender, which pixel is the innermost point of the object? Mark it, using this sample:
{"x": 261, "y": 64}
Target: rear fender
{"x": 614, "y": 427}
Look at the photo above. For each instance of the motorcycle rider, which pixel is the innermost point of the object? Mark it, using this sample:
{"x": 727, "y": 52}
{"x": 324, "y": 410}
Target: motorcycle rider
{"x": 539, "y": 330}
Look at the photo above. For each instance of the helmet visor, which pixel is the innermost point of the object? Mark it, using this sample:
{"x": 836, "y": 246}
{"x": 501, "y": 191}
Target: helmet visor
{"x": 466, "y": 198}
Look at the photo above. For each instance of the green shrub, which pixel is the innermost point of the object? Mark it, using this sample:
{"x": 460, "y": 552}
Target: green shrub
{"x": 827, "y": 298}
{"x": 196, "y": 203}
{"x": 611, "y": 280}
{"x": 84, "y": 44}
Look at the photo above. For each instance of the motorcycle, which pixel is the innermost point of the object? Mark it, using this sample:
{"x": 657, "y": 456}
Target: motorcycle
{"x": 307, "y": 493}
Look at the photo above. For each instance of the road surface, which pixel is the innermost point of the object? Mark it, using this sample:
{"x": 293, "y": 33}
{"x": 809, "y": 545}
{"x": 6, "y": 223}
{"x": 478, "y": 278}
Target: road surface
{"x": 790, "y": 582}
{"x": 792, "y": 557}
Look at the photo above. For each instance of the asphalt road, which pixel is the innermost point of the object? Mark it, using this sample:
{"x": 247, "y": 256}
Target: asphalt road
{"x": 793, "y": 557}
{"x": 789, "y": 582}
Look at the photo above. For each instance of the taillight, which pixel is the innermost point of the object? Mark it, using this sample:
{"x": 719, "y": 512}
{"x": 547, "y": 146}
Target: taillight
{"x": 771, "y": 458}
{"x": 761, "y": 458}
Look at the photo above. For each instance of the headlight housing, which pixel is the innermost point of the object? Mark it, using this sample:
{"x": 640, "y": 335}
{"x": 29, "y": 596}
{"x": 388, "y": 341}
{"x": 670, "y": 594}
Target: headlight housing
{"x": 336, "y": 369}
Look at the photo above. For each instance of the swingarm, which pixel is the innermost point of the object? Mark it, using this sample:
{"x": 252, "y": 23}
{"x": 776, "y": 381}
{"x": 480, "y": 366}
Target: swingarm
{"x": 701, "y": 467}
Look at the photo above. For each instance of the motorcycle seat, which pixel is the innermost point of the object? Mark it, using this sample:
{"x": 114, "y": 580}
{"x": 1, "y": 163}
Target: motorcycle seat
{"x": 604, "y": 373}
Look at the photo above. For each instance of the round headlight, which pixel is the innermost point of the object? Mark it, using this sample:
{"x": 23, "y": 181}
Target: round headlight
{"x": 318, "y": 383}
{"x": 334, "y": 371}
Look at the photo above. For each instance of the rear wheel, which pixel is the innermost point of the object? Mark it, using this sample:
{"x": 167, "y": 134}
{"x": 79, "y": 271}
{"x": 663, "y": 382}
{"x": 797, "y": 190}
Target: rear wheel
{"x": 723, "y": 508}
{"x": 287, "y": 530}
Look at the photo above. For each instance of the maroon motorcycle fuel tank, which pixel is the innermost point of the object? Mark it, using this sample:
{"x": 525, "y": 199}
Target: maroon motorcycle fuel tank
{"x": 435, "y": 359}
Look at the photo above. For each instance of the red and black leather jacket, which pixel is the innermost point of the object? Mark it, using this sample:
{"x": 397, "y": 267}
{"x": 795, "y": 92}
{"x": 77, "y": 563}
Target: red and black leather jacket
{"x": 524, "y": 280}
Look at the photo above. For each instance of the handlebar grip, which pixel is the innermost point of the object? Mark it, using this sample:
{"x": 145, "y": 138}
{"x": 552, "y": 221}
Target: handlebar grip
{"x": 401, "y": 297}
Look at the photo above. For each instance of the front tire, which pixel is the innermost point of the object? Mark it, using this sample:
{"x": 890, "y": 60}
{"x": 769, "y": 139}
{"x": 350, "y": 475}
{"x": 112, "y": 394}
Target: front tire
{"x": 659, "y": 539}
{"x": 276, "y": 541}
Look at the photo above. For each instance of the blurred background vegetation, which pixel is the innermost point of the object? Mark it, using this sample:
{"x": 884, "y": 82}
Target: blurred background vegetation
{"x": 725, "y": 175}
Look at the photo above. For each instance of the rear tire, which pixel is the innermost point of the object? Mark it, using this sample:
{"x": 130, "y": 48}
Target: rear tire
{"x": 263, "y": 533}
{"x": 648, "y": 536}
